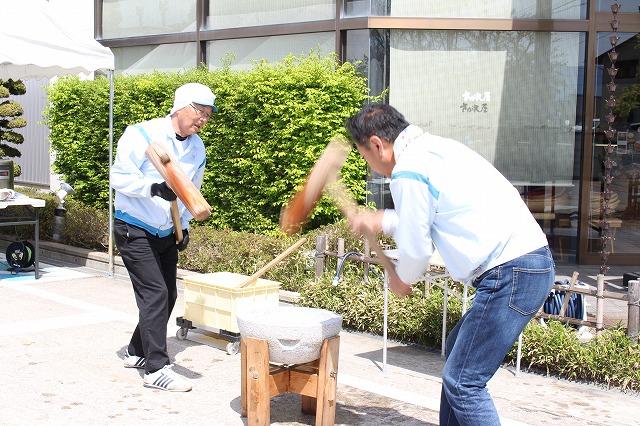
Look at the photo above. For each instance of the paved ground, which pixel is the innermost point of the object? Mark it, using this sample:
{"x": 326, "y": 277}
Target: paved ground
{"x": 62, "y": 340}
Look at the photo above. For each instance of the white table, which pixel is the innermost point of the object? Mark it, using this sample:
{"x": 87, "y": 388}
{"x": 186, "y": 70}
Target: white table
{"x": 31, "y": 219}
{"x": 437, "y": 263}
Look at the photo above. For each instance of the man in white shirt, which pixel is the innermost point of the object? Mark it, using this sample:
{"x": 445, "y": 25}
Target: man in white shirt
{"x": 144, "y": 230}
{"x": 447, "y": 195}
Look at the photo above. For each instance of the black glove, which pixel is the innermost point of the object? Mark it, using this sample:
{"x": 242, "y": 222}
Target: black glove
{"x": 163, "y": 191}
{"x": 185, "y": 240}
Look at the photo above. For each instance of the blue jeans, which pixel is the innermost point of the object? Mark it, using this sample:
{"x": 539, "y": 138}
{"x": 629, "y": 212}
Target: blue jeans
{"x": 507, "y": 297}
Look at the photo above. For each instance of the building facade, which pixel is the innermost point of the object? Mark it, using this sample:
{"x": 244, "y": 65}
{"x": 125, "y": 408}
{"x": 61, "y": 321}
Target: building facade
{"x": 526, "y": 83}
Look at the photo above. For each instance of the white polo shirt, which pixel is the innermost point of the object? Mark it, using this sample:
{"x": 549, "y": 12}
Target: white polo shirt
{"x": 132, "y": 175}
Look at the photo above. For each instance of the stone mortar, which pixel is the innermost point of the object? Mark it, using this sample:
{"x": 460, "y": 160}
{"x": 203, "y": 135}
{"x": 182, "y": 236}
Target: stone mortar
{"x": 294, "y": 334}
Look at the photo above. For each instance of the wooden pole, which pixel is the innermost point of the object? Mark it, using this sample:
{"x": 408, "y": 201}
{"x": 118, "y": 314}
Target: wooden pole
{"x": 320, "y": 248}
{"x": 633, "y": 320}
{"x": 340, "y": 253}
{"x": 367, "y": 253}
{"x": 568, "y": 293}
{"x": 253, "y": 278}
{"x": 600, "y": 304}
{"x": 257, "y": 399}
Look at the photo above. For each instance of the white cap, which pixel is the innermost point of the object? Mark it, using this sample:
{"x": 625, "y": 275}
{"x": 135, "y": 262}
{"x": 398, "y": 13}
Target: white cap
{"x": 193, "y": 92}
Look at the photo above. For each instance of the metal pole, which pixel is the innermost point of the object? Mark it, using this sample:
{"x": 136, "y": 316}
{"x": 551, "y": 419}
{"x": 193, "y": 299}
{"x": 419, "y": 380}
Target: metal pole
{"x": 519, "y": 356}
{"x": 37, "y": 238}
{"x": 367, "y": 253}
{"x": 465, "y": 297}
{"x": 111, "y": 84}
{"x": 600, "y": 304}
{"x": 384, "y": 323}
{"x": 340, "y": 257}
{"x": 633, "y": 317}
{"x": 445, "y": 301}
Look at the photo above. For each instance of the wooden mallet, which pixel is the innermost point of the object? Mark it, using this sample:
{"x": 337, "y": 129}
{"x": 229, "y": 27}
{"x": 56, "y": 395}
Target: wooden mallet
{"x": 324, "y": 177}
{"x": 178, "y": 181}
{"x": 326, "y": 169}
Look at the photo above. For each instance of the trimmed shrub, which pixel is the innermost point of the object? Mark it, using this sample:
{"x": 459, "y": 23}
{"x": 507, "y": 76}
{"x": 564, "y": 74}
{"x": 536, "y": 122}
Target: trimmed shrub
{"x": 413, "y": 319}
{"x": 609, "y": 359}
{"x": 273, "y": 123}
{"x": 79, "y": 218}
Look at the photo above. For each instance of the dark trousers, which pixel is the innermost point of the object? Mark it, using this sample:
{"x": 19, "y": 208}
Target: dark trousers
{"x": 152, "y": 265}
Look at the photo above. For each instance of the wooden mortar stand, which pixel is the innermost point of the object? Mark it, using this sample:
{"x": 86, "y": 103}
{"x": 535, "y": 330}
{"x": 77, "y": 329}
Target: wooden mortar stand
{"x": 316, "y": 381}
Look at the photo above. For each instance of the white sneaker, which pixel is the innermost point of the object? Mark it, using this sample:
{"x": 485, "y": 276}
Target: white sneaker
{"x": 132, "y": 361}
{"x": 167, "y": 379}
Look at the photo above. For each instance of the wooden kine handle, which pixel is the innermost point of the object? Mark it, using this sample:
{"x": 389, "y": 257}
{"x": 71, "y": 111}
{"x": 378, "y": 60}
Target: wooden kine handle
{"x": 175, "y": 217}
{"x": 271, "y": 264}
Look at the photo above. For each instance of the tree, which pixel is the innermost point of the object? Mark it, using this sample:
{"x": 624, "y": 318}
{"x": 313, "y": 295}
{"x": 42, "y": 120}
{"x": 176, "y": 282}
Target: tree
{"x": 11, "y": 118}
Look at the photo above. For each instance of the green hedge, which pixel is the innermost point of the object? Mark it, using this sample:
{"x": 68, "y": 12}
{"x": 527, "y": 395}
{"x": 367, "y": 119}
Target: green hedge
{"x": 273, "y": 123}
{"x": 610, "y": 359}
{"x": 414, "y": 319}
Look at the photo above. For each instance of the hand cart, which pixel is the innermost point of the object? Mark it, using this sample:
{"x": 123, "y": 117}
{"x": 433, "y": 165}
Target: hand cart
{"x": 234, "y": 338}
{"x": 212, "y": 300}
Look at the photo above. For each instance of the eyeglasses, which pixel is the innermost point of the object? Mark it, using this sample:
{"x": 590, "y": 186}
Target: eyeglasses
{"x": 202, "y": 114}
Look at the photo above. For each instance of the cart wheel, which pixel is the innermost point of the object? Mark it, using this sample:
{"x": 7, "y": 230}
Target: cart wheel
{"x": 233, "y": 348}
{"x": 181, "y": 334}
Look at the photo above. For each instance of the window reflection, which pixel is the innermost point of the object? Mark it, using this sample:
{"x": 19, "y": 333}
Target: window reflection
{"x": 621, "y": 201}
{"x": 223, "y": 14}
{"x": 130, "y": 18}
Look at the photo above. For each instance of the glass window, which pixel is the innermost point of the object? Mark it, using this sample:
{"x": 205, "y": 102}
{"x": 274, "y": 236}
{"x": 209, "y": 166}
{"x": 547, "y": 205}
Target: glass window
{"x": 131, "y": 18}
{"x": 624, "y": 160}
{"x": 625, "y": 5}
{"x": 165, "y": 57}
{"x": 513, "y": 97}
{"x": 355, "y": 8}
{"x": 271, "y": 49}
{"x": 367, "y": 50}
{"x": 550, "y": 9}
{"x": 234, "y": 14}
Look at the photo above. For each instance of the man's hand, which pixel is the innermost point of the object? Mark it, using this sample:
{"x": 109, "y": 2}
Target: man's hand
{"x": 398, "y": 287}
{"x": 163, "y": 191}
{"x": 366, "y": 222}
{"x": 185, "y": 240}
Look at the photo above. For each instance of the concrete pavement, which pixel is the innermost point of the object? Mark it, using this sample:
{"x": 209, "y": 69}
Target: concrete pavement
{"x": 62, "y": 341}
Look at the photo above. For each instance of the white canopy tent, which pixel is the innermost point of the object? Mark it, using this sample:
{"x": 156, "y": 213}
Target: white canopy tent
{"x": 50, "y": 38}
{"x": 40, "y": 38}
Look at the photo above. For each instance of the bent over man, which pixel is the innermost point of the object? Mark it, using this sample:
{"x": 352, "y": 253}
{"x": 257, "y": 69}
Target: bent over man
{"x": 446, "y": 196}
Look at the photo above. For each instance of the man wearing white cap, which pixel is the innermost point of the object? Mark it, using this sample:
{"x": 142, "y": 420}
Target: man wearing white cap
{"x": 144, "y": 230}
